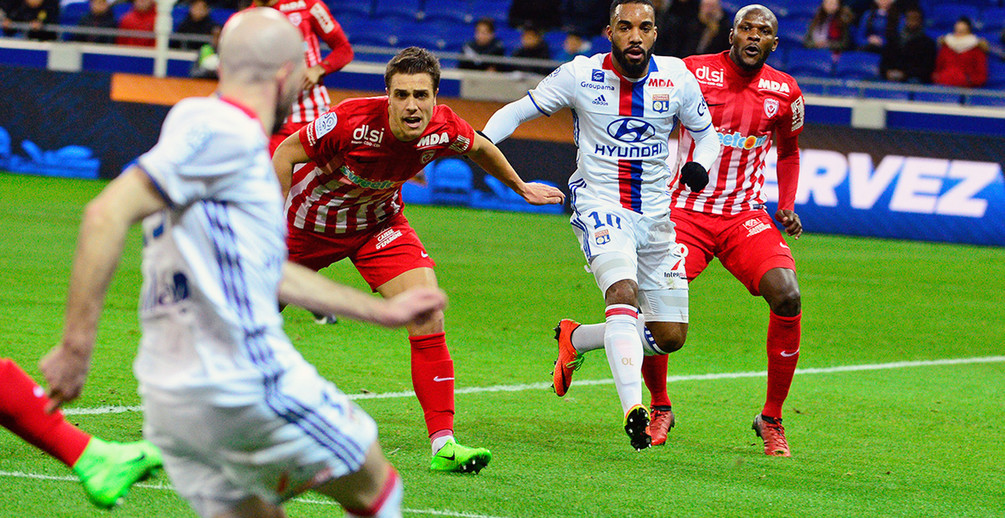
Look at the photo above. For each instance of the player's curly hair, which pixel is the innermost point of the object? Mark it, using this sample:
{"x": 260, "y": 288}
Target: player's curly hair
{"x": 413, "y": 60}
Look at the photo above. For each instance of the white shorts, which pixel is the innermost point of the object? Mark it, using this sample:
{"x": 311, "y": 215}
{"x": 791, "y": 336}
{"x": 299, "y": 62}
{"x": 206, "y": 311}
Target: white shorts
{"x": 621, "y": 244}
{"x": 303, "y": 432}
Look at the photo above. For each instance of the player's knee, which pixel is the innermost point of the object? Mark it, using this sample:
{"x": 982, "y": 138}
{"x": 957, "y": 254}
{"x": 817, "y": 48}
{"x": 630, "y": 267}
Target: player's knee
{"x": 670, "y": 339}
{"x": 787, "y": 302}
{"x": 622, "y": 292}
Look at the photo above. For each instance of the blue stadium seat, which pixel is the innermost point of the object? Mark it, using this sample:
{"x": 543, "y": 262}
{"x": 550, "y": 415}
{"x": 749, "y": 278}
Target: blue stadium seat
{"x": 406, "y": 11}
{"x": 450, "y": 182}
{"x": 457, "y": 11}
{"x": 996, "y": 73}
{"x": 509, "y": 37}
{"x": 883, "y": 93}
{"x": 71, "y": 13}
{"x": 986, "y": 100}
{"x": 498, "y": 11}
{"x": 809, "y": 62}
{"x": 362, "y": 8}
{"x": 941, "y": 17}
{"x": 600, "y": 44}
{"x": 857, "y": 65}
{"x": 842, "y": 91}
{"x": 993, "y": 19}
{"x": 220, "y": 15}
{"x": 555, "y": 39}
{"x": 936, "y": 97}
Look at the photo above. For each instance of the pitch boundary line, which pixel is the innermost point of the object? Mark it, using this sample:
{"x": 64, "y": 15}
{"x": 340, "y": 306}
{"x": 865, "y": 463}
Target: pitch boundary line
{"x": 670, "y": 379}
{"x": 405, "y": 510}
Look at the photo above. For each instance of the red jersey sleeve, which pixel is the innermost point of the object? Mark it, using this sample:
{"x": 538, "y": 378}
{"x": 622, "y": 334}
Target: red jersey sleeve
{"x": 788, "y": 130}
{"x": 329, "y": 31}
{"x": 320, "y": 138}
{"x": 461, "y": 133}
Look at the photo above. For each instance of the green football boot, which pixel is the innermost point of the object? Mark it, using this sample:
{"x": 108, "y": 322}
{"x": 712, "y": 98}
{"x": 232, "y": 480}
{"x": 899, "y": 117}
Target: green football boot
{"x": 461, "y": 459}
{"x": 108, "y": 469}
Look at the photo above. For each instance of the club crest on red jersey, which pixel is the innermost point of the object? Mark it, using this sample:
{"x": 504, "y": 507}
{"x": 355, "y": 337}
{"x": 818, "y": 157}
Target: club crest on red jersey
{"x": 770, "y": 107}
{"x": 427, "y": 156}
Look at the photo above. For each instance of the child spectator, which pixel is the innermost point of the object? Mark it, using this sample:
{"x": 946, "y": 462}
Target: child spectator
{"x": 962, "y": 59}
{"x": 197, "y": 21}
{"x": 485, "y": 43}
{"x": 574, "y": 45}
{"x": 532, "y": 45}
{"x": 99, "y": 16}
{"x": 830, "y": 27}
{"x": 140, "y": 18}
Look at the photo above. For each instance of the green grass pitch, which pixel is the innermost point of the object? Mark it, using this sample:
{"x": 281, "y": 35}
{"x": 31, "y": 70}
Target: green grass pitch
{"x": 907, "y": 436}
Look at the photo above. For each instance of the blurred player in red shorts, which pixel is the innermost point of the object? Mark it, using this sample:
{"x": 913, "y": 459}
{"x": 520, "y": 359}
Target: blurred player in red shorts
{"x": 749, "y": 102}
{"x": 315, "y": 21}
{"x": 349, "y": 206}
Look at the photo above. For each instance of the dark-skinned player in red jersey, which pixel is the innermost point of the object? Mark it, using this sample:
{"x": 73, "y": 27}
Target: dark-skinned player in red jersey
{"x": 727, "y": 219}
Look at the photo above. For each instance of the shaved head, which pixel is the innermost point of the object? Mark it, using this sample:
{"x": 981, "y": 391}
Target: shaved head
{"x": 257, "y": 43}
{"x": 758, "y": 8}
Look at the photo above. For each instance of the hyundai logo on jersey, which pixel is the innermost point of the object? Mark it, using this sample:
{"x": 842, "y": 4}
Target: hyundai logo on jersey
{"x": 631, "y": 130}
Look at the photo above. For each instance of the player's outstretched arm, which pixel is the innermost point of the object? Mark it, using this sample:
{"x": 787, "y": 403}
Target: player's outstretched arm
{"x": 107, "y": 218}
{"x": 289, "y": 153}
{"x": 306, "y": 288}
{"x": 491, "y": 159}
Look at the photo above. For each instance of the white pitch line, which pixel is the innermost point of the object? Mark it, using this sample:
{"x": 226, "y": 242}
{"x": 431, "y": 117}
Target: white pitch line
{"x": 608, "y": 381}
{"x": 405, "y": 510}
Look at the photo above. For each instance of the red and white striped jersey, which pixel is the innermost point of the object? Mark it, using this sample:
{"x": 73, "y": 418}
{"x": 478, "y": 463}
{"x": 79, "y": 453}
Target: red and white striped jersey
{"x": 360, "y": 166}
{"x": 315, "y": 21}
{"x": 747, "y": 109}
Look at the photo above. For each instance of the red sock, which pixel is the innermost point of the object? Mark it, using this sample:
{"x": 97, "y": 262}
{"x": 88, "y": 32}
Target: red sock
{"x": 433, "y": 380}
{"x": 22, "y": 411}
{"x": 783, "y": 354}
{"x": 654, "y": 371}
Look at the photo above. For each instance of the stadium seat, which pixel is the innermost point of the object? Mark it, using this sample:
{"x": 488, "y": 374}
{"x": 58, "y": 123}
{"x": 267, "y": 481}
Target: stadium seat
{"x": 71, "y": 13}
{"x": 809, "y": 62}
{"x": 936, "y": 97}
{"x": 812, "y": 88}
{"x": 362, "y": 8}
{"x": 884, "y": 93}
{"x": 498, "y": 11}
{"x": 220, "y": 15}
{"x": 857, "y": 65}
{"x": 993, "y": 19}
{"x": 600, "y": 44}
{"x": 450, "y": 182}
{"x": 456, "y": 11}
{"x": 406, "y": 9}
{"x": 996, "y": 73}
{"x": 941, "y": 17}
{"x": 842, "y": 91}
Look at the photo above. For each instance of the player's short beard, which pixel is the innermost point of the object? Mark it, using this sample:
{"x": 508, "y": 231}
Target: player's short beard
{"x": 631, "y": 70}
{"x": 284, "y": 104}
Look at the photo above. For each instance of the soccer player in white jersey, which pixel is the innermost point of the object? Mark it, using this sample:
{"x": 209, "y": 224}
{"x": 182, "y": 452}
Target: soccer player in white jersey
{"x": 243, "y": 422}
{"x": 625, "y": 103}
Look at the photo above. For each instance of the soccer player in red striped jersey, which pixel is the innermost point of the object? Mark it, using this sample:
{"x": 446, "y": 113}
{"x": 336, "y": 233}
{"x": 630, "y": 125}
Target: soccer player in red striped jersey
{"x": 316, "y": 24}
{"x": 750, "y": 102}
{"x": 349, "y": 206}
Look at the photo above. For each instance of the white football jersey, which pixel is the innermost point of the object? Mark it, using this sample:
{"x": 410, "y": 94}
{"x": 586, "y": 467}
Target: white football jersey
{"x": 622, "y": 127}
{"x": 213, "y": 260}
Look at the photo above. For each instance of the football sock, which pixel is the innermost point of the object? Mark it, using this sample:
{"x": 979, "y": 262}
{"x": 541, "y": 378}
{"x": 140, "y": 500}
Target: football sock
{"x": 22, "y": 411}
{"x": 588, "y": 337}
{"x": 654, "y": 372}
{"x": 433, "y": 380}
{"x": 388, "y": 504}
{"x": 439, "y": 439}
{"x": 783, "y": 354}
{"x": 624, "y": 353}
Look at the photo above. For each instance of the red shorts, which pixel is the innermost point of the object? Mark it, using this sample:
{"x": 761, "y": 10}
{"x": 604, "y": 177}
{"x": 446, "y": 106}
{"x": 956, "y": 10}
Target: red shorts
{"x": 747, "y": 244}
{"x": 379, "y": 254}
{"x": 285, "y": 131}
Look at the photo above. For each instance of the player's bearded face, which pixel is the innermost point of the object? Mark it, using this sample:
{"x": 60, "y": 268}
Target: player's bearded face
{"x": 287, "y": 92}
{"x": 632, "y": 33}
{"x": 753, "y": 39}
{"x": 410, "y": 102}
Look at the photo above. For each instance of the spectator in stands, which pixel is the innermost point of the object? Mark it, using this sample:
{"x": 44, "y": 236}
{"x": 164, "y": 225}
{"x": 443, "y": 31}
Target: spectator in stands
{"x": 542, "y": 14}
{"x": 485, "y": 43}
{"x": 207, "y": 64}
{"x": 707, "y": 32}
{"x": 532, "y": 45}
{"x": 830, "y": 27}
{"x": 962, "y": 59}
{"x": 877, "y": 26}
{"x": 140, "y": 18}
{"x": 574, "y": 45}
{"x": 35, "y": 13}
{"x": 99, "y": 16}
{"x": 910, "y": 57}
{"x": 670, "y": 18}
{"x": 197, "y": 21}
{"x": 585, "y": 18}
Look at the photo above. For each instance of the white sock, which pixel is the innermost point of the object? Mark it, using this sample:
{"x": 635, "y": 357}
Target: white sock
{"x": 624, "y": 353}
{"x": 440, "y": 441}
{"x": 588, "y": 337}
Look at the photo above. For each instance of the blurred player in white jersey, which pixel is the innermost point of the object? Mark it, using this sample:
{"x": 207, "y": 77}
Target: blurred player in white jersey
{"x": 626, "y": 103}
{"x": 750, "y": 101}
{"x": 243, "y": 422}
